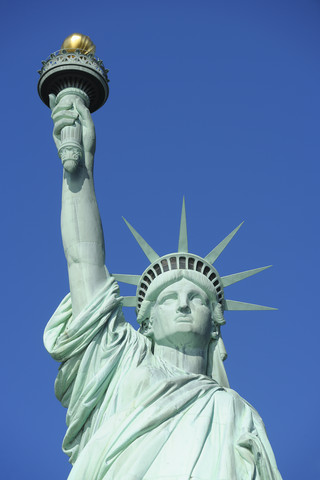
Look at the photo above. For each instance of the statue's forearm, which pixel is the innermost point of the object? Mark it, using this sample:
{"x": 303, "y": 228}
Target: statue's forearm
{"x": 82, "y": 237}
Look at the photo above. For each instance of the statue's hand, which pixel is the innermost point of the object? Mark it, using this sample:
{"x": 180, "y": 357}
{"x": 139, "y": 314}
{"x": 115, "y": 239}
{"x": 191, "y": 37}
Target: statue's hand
{"x": 65, "y": 114}
{"x": 88, "y": 130}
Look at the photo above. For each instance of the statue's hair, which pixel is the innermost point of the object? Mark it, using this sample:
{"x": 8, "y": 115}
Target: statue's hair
{"x": 169, "y": 278}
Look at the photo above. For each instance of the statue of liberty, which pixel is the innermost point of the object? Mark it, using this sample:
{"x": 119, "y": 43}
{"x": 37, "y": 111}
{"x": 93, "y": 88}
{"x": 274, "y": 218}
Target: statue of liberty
{"x": 155, "y": 403}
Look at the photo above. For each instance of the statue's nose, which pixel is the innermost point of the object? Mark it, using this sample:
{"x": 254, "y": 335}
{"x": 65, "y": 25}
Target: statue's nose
{"x": 183, "y": 306}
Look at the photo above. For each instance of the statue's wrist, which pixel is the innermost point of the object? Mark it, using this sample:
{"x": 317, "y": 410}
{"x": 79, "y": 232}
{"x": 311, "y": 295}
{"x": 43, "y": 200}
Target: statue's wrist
{"x": 77, "y": 177}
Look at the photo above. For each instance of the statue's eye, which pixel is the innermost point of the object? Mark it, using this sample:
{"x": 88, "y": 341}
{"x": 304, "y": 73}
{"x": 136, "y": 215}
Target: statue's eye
{"x": 198, "y": 299}
{"x": 167, "y": 299}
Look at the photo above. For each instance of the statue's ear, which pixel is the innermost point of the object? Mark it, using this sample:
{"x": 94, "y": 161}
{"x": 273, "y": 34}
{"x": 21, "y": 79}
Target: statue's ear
{"x": 146, "y": 328}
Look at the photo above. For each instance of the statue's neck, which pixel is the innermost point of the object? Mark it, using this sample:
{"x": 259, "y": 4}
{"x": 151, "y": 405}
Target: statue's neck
{"x": 193, "y": 360}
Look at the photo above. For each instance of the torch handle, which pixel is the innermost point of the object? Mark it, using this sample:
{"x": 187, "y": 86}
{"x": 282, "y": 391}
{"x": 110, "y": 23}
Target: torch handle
{"x": 71, "y": 148}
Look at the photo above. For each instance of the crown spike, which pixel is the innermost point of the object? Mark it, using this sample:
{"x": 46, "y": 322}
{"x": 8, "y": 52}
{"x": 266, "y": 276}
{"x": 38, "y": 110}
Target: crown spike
{"x": 147, "y": 250}
{"x": 234, "y": 305}
{"x": 214, "y": 254}
{"x": 129, "y": 301}
{"x": 183, "y": 237}
{"x": 237, "y": 277}
{"x": 130, "y": 279}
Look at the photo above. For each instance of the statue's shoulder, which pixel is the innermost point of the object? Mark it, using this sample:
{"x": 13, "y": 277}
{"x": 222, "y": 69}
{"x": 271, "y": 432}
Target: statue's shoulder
{"x": 231, "y": 400}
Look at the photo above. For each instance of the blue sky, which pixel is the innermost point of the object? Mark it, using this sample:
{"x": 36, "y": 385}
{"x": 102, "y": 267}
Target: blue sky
{"x": 215, "y": 100}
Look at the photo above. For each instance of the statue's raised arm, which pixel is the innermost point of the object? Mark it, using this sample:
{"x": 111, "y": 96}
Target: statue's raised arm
{"x": 81, "y": 227}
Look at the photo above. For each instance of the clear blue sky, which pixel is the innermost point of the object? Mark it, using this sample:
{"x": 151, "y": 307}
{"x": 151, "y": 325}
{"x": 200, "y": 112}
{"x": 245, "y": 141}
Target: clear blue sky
{"x": 217, "y": 100}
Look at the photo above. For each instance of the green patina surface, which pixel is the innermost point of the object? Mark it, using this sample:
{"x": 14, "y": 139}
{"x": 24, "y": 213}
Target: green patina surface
{"x": 156, "y": 403}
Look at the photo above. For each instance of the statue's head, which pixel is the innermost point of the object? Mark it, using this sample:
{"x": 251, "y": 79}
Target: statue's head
{"x": 180, "y": 298}
{"x": 181, "y": 308}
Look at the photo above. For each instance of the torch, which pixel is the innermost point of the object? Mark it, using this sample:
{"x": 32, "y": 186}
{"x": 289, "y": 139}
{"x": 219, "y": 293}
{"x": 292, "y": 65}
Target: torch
{"x": 74, "y": 73}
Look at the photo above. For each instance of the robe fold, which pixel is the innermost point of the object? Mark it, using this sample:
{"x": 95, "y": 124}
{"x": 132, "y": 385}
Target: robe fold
{"x": 132, "y": 416}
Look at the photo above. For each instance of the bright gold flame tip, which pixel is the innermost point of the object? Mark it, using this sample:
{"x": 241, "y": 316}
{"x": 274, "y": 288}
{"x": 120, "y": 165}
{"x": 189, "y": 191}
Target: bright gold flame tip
{"x": 77, "y": 41}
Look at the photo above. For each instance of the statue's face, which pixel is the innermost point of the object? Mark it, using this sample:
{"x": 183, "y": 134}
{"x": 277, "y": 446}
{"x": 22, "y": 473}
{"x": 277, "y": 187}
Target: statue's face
{"x": 182, "y": 316}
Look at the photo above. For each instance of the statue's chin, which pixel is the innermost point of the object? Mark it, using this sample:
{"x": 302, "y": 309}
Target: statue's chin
{"x": 70, "y": 165}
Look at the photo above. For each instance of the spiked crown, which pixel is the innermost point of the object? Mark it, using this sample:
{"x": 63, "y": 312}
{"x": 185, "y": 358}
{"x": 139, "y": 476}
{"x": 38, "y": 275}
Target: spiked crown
{"x": 183, "y": 260}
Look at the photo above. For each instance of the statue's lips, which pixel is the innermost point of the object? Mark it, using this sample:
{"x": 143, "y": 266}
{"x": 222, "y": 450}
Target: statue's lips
{"x": 184, "y": 319}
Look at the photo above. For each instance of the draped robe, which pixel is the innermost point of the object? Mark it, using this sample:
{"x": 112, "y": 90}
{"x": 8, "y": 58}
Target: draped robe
{"x": 132, "y": 416}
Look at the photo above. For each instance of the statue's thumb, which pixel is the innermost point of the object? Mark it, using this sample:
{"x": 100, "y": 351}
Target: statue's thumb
{"x": 52, "y": 101}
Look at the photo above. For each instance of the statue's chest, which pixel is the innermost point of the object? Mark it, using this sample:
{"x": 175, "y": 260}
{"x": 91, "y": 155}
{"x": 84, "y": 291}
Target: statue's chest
{"x": 138, "y": 384}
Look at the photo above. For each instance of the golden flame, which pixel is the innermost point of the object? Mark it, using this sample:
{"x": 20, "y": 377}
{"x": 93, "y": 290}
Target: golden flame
{"x": 77, "y": 41}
